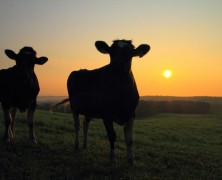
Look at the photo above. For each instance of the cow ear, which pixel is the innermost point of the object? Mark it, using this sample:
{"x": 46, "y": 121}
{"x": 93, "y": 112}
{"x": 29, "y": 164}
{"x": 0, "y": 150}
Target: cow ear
{"x": 102, "y": 47}
{"x": 142, "y": 50}
{"x": 11, "y": 54}
{"x": 41, "y": 60}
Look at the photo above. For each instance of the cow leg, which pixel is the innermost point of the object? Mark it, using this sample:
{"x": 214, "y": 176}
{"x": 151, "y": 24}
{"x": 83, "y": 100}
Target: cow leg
{"x": 13, "y": 116}
{"x": 112, "y": 138}
{"x": 128, "y": 132}
{"x": 8, "y": 121}
{"x": 77, "y": 127}
{"x": 85, "y": 131}
{"x": 30, "y": 117}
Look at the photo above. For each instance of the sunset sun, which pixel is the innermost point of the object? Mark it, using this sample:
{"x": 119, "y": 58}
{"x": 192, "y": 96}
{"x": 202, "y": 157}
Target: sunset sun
{"x": 167, "y": 73}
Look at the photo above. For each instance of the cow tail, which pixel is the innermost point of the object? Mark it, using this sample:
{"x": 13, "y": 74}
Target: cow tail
{"x": 58, "y": 104}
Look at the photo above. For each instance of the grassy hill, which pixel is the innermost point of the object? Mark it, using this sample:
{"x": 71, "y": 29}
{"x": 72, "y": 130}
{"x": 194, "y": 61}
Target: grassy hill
{"x": 166, "y": 146}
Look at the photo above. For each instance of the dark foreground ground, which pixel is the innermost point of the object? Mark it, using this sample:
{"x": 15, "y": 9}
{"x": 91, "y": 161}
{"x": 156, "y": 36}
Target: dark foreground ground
{"x": 166, "y": 146}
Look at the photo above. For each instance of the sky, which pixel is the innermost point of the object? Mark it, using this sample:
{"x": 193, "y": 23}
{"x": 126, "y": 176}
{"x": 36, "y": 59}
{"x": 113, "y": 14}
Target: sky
{"x": 185, "y": 37}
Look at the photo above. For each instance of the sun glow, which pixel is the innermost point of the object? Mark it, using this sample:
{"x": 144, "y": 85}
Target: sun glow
{"x": 167, "y": 73}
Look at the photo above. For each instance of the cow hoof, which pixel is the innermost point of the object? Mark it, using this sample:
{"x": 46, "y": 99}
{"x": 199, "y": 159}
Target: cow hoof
{"x": 34, "y": 141}
{"x": 7, "y": 138}
{"x": 76, "y": 148}
{"x": 130, "y": 161}
{"x": 112, "y": 158}
{"x": 85, "y": 147}
{"x": 113, "y": 161}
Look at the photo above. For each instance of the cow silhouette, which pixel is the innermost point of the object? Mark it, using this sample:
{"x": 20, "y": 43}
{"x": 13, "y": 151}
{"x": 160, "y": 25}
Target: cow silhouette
{"x": 109, "y": 92}
{"x": 19, "y": 88}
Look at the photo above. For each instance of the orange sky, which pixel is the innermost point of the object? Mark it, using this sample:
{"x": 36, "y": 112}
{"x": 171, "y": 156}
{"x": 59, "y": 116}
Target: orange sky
{"x": 185, "y": 37}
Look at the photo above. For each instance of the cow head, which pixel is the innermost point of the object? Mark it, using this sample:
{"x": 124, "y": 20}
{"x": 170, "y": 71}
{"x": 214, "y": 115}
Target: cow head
{"x": 122, "y": 50}
{"x": 26, "y": 58}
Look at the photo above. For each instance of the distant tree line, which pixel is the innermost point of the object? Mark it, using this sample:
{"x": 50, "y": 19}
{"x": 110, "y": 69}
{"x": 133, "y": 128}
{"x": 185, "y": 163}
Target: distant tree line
{"x": 209, "y": 99}
{"x": 147, "y": 108}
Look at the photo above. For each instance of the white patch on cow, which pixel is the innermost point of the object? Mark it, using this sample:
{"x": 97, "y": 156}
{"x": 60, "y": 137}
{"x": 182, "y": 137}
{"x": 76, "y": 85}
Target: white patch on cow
{"x": 122, "y": 44}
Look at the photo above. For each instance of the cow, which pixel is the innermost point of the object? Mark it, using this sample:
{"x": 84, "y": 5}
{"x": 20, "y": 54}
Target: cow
{"x": 19, "y": 88}
{"x": 109, "y": 93}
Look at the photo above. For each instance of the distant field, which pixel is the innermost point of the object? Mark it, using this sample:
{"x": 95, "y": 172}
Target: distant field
{"x": 211, "y": 100}
{"x": 50, "y": 99}
{"x": 166, "y": 146}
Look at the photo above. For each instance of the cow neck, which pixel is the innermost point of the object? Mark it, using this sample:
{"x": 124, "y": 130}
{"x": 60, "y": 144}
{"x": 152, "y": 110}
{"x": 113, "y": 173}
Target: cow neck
{"x": 23, "y": 70}
{"x": 122, "y": 66}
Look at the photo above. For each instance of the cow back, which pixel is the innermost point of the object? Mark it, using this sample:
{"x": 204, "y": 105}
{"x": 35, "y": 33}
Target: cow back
{"x": 103, "y": 92}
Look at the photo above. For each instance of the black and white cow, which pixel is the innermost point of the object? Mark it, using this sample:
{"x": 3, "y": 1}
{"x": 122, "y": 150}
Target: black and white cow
{"x": 109, "y": 92}
{"x": 19, "y": 88}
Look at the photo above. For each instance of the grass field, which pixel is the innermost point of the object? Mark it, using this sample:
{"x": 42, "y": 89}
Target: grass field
{"x": 166, "y": 146}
